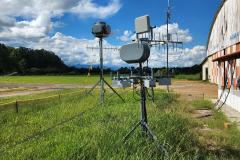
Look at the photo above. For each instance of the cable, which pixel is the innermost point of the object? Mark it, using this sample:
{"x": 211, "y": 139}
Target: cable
{"x": 134, "y": 90}
{"x": 225, "y": 84}
{"x": 229, "y": 89}
{"x": 224, "y": 88}
{"x": 150, "y": 97}
{"x": 232, "y": 73}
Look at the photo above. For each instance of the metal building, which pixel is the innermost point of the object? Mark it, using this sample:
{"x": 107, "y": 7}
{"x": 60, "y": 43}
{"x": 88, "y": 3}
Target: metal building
{"x": 222, "y": 65}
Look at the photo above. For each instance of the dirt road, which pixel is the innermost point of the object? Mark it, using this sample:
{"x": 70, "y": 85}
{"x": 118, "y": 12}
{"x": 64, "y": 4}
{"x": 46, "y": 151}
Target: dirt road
{"x": 10, "y": 90}
{"x": 194, "y": 89}
{"x": 188, "y": 89}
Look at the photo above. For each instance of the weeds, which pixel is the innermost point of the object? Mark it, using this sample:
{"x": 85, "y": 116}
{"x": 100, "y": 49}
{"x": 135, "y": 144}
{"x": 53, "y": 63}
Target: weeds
{"x": 98, "y": 133}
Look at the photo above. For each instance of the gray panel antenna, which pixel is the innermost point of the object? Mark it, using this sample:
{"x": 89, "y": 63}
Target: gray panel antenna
{"x": 135, "y": 52}
{"x": 142, "y": 24}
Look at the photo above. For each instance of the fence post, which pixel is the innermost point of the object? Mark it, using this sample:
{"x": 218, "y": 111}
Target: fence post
{"x": 16, "y": 105}
{"x": 203, "y": 96}
{"x": 59, "y": 97}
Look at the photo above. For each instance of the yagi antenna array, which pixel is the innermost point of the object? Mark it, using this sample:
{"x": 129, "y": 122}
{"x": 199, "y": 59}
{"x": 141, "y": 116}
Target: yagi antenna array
{"x": 115, "y": 49}
{"x": 159, "y": 41}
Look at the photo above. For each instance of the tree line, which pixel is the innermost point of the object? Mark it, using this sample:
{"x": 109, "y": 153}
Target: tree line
{"x": 26, "y": 61}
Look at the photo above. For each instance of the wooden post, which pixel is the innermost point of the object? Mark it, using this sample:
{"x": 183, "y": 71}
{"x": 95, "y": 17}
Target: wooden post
{"x": 16, "y": 105}
{"x": 203, "y": 96}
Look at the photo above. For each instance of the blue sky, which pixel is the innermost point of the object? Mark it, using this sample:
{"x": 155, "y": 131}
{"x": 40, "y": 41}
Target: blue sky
{"x": 195, "y": 15}
{"x": 65, "y": 26}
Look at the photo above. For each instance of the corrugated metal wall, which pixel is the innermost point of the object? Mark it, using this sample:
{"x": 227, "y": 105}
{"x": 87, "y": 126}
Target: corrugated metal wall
{"x": 226, "y": 29}
{"x": 224, "y": 42}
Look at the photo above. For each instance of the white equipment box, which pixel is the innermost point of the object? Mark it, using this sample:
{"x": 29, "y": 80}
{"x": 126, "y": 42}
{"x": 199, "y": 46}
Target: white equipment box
{"x": 121, "y": 83}
{"x": 148, "y": 83}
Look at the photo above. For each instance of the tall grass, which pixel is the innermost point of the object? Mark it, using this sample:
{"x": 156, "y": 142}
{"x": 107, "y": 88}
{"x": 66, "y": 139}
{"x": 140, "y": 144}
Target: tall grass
{"x": 192, "y": 77}
{"x": 98, "y": 132}
{"x": 81, "y": 79}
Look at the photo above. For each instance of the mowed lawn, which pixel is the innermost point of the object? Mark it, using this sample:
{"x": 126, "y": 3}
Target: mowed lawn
{"x": 81, "y": 79}
{"x": 77, "y": 127}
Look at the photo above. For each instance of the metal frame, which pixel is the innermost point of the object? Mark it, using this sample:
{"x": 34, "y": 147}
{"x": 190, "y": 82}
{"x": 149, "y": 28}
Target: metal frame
{"x": 102, "y": 81}
{"x": 158, "y": 42}
{"x": 143, "y": 122}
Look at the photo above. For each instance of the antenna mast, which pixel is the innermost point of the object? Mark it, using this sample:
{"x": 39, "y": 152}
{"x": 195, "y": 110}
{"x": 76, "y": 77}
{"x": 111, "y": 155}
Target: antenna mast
{"x": 168, "y": 38}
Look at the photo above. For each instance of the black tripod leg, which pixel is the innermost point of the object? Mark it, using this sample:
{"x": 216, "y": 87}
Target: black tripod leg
{"x": 131, "y": 132}
{"x": 89, "y": 92}
{"x": 153, "y": 136}
{"x": 113, "y": 90}
{"x": 153, "y": 97}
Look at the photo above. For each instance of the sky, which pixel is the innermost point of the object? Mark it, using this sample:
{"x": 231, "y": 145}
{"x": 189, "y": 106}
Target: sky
{"x": 64, "y": 27}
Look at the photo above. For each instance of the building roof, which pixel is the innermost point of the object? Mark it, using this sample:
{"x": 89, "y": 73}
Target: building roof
{"x": 214, "y": 20}
{"x": 205, "y": 59}
{"x": 228, "y": 57}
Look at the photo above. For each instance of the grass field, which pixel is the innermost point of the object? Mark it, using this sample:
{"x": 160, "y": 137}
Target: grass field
{"x": 191, "y": 77}
{"x": 83, "y": 80}
{"x": 37, "y": 95}
{"x": 78, "y": 128}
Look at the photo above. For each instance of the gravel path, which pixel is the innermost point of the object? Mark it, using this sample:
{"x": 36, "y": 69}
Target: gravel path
{"x": 10, "y": 90}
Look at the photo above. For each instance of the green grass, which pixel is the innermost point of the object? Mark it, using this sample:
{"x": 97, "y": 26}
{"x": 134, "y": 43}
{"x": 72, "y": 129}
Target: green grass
{"x": 13, "y": 90}
{"x": 202, "y": 104}
{"x": 37, "y": 95}
{"x": 98, "y": 133}
{"x": 83, "y": 80}
{"x": 191, "y": 77}
{"x": 221, "y": 142}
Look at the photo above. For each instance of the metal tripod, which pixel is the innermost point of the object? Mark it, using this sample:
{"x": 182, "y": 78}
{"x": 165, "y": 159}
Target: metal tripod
{"x": 143, "y": 122}
{"x": 102, "y": 81}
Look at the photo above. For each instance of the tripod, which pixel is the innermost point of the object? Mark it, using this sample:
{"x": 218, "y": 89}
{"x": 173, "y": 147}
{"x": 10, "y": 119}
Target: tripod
{"x": 143, "y": 122}
{"x": 102, "y": 81}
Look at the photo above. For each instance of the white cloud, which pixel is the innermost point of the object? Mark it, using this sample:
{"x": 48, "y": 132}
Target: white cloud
{"x": 160, "y": 33}
{"x": 75, "y": 51}
{"x": 36, "y": 28}
{"x": 32, "y": 19}
{"x": 127, "y": 36}
{"x": 178, "y": 58}
{"x": 86, "y": 8}
{"x": 29, "y": 22}
{"x": 176, "y": 33}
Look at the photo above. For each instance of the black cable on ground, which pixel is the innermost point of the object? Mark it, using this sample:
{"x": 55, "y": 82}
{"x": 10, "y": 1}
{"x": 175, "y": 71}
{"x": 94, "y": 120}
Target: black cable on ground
{"x": 149, "y": 96}
{"x": 232, "y": 74}
{"x": 224, "y": 88}
{"x": 134, "y": 91}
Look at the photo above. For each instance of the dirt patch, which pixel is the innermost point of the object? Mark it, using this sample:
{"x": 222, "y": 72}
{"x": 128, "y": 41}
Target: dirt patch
{"x": 190, "y": 90}
{"x": 201, "y": 113}
{"x": 10, "y": 90}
